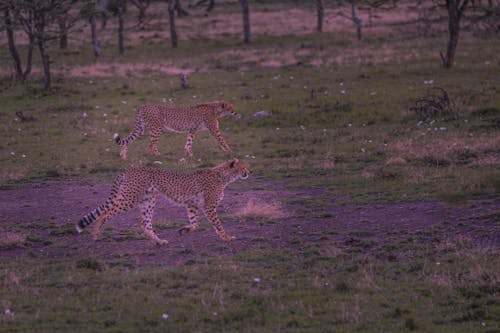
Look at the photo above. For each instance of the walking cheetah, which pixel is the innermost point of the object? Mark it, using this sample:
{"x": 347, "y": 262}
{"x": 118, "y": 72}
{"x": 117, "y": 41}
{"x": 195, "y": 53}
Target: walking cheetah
{"x": 191, "y": 119}
{"x": 203, "y": 189}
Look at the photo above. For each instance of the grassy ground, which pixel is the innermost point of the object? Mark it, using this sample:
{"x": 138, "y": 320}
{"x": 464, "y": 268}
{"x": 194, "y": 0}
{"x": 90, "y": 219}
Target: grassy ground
{"x": 407, "y": 286}
{"x": 339, "y": 120}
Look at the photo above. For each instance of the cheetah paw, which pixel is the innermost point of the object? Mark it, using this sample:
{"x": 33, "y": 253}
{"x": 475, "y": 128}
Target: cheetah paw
{"x": 161, "y": 242}
{"x": 228, "y": 238}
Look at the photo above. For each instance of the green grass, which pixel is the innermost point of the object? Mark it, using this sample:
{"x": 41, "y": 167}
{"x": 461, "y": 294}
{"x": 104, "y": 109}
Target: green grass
{"x": 348, "y": 138}
{"x": 407, "y": 287}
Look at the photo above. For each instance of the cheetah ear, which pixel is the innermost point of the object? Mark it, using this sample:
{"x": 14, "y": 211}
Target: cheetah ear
{"x": 223, "y": 105}
{"x": 231, "y": 165}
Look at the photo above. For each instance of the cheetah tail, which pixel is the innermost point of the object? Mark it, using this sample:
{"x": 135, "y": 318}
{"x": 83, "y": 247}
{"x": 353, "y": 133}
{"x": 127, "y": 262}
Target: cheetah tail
{"x": 90, "y": 217}
{"x": 138, "y": 130}
{"x": 94, "y": 215}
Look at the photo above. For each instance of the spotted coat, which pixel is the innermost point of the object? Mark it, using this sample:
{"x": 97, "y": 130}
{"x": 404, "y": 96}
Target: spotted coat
{"x": 202, "y": 189}
{"x": 158, "y": 119}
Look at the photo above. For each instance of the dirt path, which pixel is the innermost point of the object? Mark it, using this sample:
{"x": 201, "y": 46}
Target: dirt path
{"x": 44, "y": 216}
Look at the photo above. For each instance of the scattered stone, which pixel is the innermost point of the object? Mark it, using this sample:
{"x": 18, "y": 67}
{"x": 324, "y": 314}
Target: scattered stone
{"x": 262, "y": 113}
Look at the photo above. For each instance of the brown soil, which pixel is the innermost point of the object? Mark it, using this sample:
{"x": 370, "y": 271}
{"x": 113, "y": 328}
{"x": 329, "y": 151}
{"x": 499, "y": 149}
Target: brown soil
{"x": 47, "y": 212}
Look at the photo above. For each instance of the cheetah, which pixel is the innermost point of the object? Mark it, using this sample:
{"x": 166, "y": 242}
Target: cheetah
{"x": 191, "y": 119}
{"x": 202, "y": 189}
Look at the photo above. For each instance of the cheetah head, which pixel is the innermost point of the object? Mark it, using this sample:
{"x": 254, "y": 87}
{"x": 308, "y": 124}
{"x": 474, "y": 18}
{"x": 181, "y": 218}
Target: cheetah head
{"x": 227, "y": 109}
{"x": 237, "y": 169}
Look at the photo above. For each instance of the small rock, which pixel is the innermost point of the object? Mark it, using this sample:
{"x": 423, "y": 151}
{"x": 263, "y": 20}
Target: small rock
{"x": 262, "y": 113}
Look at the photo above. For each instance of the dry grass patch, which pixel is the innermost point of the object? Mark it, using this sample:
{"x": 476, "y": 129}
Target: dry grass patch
{"x": 479, "y": 272}
{"x": 11, "y": 239}
{"x": 256, "y": 208}
{"x": 445, "y": 146}
{"x": 396, "y": 161}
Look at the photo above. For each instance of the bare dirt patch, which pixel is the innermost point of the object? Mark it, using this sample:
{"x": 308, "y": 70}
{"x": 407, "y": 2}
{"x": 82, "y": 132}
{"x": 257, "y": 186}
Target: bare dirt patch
{"x": 42, "y": 219}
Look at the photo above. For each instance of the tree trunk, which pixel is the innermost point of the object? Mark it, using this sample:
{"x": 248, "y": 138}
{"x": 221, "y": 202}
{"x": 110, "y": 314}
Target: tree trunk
{"x": 141, "y": 16}
{"x": 103, "y": 5}
{"x": 320, "y": 9}
{"x": 121, "y": 49}
{"x": 95, "y": 41}
{"x": 356, "y": 20}
{"x": 171, "y": 16}
{"x": 40, "y": 38}
{"x": 454, "y": 30}
{"x": 455, "y": 9}
{"x": 246, "y": 21}
{"x": 47, "y": 86}
{"x": 12, "y": 45}
{"x": 29, "y": 57}
{"x": 63, "y": 33}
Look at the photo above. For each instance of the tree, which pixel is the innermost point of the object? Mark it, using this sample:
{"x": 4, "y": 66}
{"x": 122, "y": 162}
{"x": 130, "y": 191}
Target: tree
{"x": 320, "y": 9}
{"x": 246, "y": 21}
{"x": 38, "y": 18}
{"x": 456, "y": 9}
{"x": 141, "y": 5}
{"x": 63, "y": 33}
{"x": 93, "y": 32}
{"x": 20, "y": 74}
{"x": 171, "y": 16}
{"x": 89, "y": 13}
{"x": 357, "y": 21}
{"x": 120, "y": 8}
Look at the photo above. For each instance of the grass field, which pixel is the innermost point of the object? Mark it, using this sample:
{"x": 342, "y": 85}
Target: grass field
{"x": 338, "y": 131}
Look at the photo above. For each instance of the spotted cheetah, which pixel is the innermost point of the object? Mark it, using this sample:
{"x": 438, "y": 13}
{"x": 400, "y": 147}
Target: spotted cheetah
{"x": 203, "y": 189}
{"x": 160, "y": 118}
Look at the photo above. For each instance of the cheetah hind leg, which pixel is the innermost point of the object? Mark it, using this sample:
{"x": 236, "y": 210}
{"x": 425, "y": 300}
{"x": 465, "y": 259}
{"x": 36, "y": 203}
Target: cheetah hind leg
{"x": 98, "y": 226}
{"x": 153, "y": 143}
{"x": 147, "y": 206}
{"x": 123, "y": 152}
{"x": 192, "y": 212}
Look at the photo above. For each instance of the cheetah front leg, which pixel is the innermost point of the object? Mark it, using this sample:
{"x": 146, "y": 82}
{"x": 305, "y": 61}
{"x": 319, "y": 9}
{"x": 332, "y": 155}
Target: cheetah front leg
{"x": 189, "y": 143}
{"x": 192, "y": 212}
{"x": 214, "y": 130}
{"x": 147, "y": 206}
{"x": 211, "y": 214}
